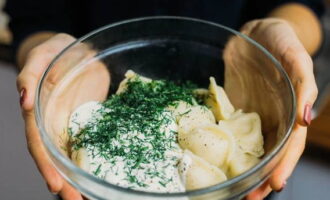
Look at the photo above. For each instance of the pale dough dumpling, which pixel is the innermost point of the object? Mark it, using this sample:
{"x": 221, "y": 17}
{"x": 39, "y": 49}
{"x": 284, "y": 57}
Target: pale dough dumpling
{"x": 211, "y": 143}
{"x": 129, "y": 75}
{"x": 241, "y": 162}
{"x": 201, "y": 93}
{"x": 198, "y": 173}
{"x": 191, "y": 116}
{"x": 179, "y": 109}
{"x": 218, "y": 101}
{"x": 246, "y": 129}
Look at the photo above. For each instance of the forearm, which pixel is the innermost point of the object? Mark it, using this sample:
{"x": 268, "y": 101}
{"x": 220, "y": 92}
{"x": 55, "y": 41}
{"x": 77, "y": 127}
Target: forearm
{"x": 304, "y": 22}
{"x": 29, "y": 43}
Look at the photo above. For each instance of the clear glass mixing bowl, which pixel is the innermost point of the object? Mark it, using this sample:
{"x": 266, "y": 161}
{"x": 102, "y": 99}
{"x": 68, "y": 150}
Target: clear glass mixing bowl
{"x": 175, "y": 48}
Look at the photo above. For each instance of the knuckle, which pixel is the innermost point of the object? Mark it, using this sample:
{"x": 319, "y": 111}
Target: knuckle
{"x": 65, "y": 36}
{"x": 19, "y": 80}
{"x": 54, "y": 189}
{"x": 315, "y": 92}
{"x": 45, "y": 50}
{"x": 307, "y": 60}
{"x": 29, "y": 146}
{"x": 26, "y": 78}
{"x": 35, "y": 51}
{"x": 296, "y": 57}
{"x": 43, "y": 53}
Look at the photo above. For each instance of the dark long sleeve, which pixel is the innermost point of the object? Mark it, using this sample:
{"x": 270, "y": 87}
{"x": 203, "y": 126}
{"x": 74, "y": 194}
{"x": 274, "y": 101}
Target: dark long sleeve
{"x": 28, "y": 17}
{"x": 77, "y": 17}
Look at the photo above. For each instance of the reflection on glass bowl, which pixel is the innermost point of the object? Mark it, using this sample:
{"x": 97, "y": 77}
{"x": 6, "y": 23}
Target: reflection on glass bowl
{"x": 173, "y": 48}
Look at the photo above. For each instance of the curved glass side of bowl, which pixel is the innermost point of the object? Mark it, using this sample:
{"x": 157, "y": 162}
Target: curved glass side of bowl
{"x": 174, "y": 48}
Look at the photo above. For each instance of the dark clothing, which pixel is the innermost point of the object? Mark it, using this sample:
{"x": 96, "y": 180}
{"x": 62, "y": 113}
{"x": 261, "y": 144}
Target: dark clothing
{"x": 78, "y": 17}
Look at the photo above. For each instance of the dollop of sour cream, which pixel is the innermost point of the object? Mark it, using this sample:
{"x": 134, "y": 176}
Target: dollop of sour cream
{"x": 163, "y": 175}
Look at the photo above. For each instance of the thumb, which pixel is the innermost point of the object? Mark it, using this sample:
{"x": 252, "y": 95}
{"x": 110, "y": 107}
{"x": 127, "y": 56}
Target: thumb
{"x": 40, "y": 156}
{"x": 299, "y": 66}
{"x": 37, "y": 61}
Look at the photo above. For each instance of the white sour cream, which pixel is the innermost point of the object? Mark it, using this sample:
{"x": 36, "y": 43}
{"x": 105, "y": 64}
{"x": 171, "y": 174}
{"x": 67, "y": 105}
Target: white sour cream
{"x": 114, "y": 170}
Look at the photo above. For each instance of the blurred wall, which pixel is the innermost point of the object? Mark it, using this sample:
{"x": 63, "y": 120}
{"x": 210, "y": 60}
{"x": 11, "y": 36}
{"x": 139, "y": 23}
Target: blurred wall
{"x": 5, "y": 36}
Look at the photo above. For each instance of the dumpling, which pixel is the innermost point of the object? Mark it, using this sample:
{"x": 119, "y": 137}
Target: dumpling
{"x": 180, "y": 109}
{"x": 201, "y": 94}
{"x": 129, "y": 75}
{"x": 191, "y": 116}
{"x": 218, "y": 101}
{"x": 197, "y": 173}
{"x": 246, "y": 129}
{"x": 241, "y": 162}
{"x": 210, "y": 142}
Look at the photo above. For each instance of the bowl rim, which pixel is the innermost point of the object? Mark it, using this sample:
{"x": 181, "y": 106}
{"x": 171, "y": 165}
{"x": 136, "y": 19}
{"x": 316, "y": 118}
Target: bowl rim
{"x": 52, "y": 149}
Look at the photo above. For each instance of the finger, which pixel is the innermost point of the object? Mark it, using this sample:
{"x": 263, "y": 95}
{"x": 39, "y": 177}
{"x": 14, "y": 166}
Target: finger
{"x": 38, "y": 152}
{"x": 266, "y": 192}
{"x": 299, "y": 66}
{"x": 27, "y": 80}
{"x": 39, "y": 58}
{"x": 260, "y": 192}
{"x": 287, "y": 164}
{"x": 69, "y": 193}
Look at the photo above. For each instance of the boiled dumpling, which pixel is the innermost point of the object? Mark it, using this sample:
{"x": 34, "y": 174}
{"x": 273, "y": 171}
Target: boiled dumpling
{"x": 210, "y": 142}
{"x": 201, "y": 94}
{"x": 198, "y": 173}
{"x": 218, "y": 101}
{"x": 241, "y": 162}
{"x": 246, "y": 129}
{"x": 191, "y": 116}
{"x": 179, "y": 109}
{"x": 129, "y": 75}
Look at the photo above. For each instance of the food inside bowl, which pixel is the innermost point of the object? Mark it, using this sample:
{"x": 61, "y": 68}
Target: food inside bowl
{"x": 161, "y": 136}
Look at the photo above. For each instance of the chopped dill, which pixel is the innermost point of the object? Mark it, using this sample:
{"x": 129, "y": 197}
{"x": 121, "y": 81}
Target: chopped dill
{"x": 98, "y": 170}
{"x": 133, "y": 125}
{"x": 182, "y": 114}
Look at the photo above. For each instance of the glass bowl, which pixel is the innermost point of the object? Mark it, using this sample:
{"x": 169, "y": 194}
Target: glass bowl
{"x": 175, "y": 48}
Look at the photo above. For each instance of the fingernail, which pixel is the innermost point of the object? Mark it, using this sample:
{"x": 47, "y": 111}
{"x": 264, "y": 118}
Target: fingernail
{"x": 22, "y": 96}
{"x": 283, "y": 186}
{"x": 308, "y": 114}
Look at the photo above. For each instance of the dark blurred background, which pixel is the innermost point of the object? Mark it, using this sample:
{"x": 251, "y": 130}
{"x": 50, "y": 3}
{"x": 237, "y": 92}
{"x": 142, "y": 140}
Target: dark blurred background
{"x": 19, "y": 178}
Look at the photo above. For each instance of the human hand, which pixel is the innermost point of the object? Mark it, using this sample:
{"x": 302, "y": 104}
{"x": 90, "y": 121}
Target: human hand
{"x": 37, "y": 61}
{"x": 277, "y": 36}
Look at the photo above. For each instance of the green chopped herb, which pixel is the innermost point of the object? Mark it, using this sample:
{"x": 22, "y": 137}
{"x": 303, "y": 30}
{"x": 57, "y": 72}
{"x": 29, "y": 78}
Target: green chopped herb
{"x": 188, "y": 111}
{"x": 98, "y": 170}
{"x": 139, "y": 110}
